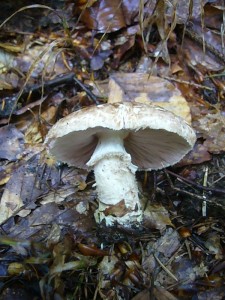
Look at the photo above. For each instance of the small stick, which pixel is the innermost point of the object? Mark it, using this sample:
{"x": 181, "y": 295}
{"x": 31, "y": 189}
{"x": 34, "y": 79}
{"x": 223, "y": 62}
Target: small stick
{"x": 164, "y": 268}
{"x": 189, "y": 83}
{"x": 198, "y": 186}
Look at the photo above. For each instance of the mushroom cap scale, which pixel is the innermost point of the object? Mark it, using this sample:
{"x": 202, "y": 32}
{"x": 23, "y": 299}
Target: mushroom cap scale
{"x": 154, "y": 137}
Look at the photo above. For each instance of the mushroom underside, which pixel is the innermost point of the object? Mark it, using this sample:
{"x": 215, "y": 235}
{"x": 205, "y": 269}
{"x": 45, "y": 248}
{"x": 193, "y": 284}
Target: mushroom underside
{"x": 149, "y": 148}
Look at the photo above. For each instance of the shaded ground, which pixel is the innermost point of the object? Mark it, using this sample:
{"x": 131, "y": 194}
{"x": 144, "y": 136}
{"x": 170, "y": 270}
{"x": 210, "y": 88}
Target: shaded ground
{"x": 56, "y": 60}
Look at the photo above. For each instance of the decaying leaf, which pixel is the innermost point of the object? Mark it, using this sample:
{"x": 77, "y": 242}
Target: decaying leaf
{"x": 118, "y": 210}
{"x": 210, "y": 123}
{"x": 11, "y": 143}
{"x": 103, "y": 16}
{"x": 37, "y": 130}
{"x": 23, "y": 188}
{"x": 6, "y": 61}
{"x": 198, "y": 155}
{"x": 156, "y": 216}
{"x": 137, "y": 87}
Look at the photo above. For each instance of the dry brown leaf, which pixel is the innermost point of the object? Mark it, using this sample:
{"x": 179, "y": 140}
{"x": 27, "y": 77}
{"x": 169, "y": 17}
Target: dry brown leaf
{"x": 137, "y": 87}
{"x": 197, "y": 155}
{"x": 60, "y": 196}
{"x": 211, "y": 126}
{"x": 118, "y": 210}
{"x": 181, "y": 8}
{"x": 24, "y": 186}
{"x": 103, "y": 16}
{"x": 156, "y": 216}
{"x": 37, "y": 130}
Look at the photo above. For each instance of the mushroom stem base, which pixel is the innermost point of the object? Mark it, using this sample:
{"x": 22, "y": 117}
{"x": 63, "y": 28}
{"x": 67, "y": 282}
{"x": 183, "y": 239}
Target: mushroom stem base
{"x": 117, "y": 191}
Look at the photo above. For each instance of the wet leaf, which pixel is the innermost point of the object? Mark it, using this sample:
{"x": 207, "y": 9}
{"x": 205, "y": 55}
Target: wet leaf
{"x": 213, "y": 243}
{"x": 11, "y": 143}
{"x": 197, "y": 155}
{"x": 91, "y": 250}
{"x": 196, "y": 57}
{"x": 23, "y": 188}
{"x": 156, "y": 216}
{"x": 6, "y": 61}
{"x": 103, "y": 16}
{"x": 54, "y": 235}
{"x": 210, "y": 124}
{"x": 137, "y": 87}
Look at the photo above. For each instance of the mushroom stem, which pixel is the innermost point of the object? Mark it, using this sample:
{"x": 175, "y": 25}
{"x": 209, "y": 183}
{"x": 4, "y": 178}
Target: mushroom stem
{"x": 115, "y": 181}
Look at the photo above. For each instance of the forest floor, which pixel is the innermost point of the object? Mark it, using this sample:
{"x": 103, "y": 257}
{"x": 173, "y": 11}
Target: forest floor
{"x": 57, "y": 58}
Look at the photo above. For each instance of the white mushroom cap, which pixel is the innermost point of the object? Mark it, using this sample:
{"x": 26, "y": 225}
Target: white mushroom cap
{"x": 155, "y": 138}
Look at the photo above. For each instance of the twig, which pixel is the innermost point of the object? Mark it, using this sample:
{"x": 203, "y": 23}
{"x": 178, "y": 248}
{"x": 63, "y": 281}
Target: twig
{"x": 89, "y": 93}
{"x": 180, "y": 190}
{"x": 164, "y": 268}
{"x": 198, "y": 38}
{"x": 198, "y": 186}
{"x": 189, "y": 83}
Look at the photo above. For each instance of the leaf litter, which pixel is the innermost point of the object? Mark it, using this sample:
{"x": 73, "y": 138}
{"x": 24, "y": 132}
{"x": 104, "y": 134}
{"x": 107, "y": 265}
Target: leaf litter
{"x": 169, "y": 53}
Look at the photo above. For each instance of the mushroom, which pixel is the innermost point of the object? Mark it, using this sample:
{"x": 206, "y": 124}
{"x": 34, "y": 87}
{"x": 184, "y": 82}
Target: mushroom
{"x": 115, "y": 140}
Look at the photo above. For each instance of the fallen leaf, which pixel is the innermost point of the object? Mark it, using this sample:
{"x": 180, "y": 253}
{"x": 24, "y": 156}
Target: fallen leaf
{"x": 118, "y": 210}
{"x": 156, "y": 216}
{"x": 138, "y": 87}
{"x": 103, "y": 16}
{"x": 11, "y": 143}
{"x": 210, "y": 124}
{"x": 197, "y": 155}
{"x": 24, "y": 186}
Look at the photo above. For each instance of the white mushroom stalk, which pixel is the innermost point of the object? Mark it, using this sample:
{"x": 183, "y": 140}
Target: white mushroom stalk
{"x": 115, "y": 181}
